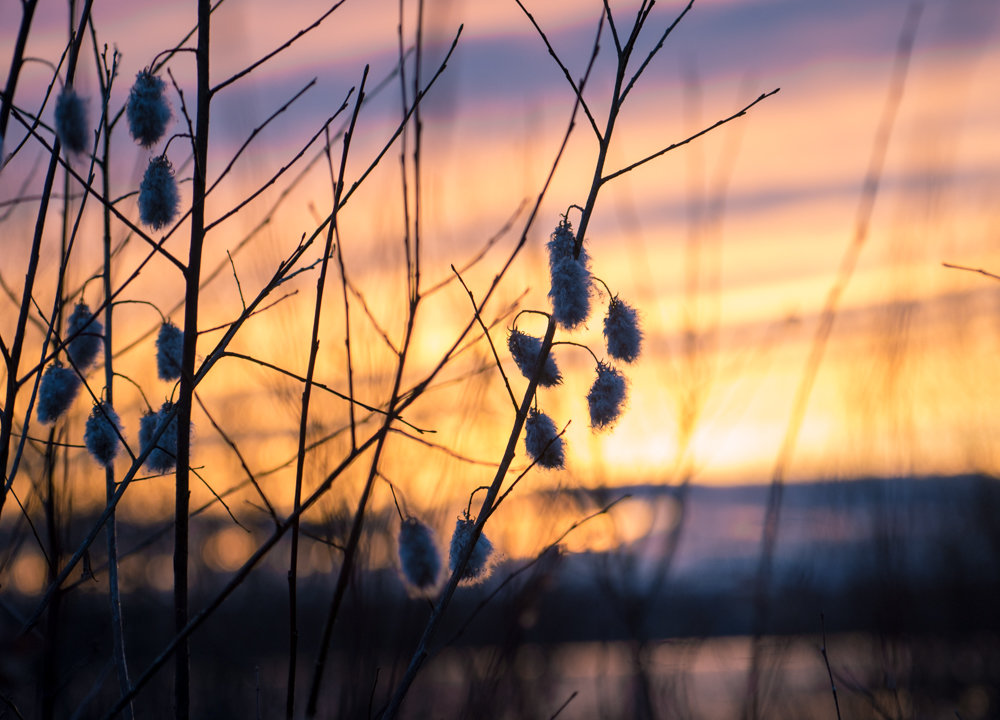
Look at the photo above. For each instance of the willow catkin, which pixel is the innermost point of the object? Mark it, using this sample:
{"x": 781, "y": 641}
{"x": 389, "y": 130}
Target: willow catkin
{"x": 478, "y": 567}
{"x": 571, "y": 284}
{"x": 163, "y": 456}
{"x": 71, "y": 120}
{"x": 419, "y": 558}
{"x": 606, "y": 398}
{"x": 56, "y": 392}
{"x": 101, "y": 433}
{"x": 622, "y": 332}
{"x": 526, "y": 349}
{"x": 147, "y": 109}
{"x": 542, "y": 441}
{"x": 85, "y": 333}
{"x": 158, "y": 198}
{"x": 169, "y": 351}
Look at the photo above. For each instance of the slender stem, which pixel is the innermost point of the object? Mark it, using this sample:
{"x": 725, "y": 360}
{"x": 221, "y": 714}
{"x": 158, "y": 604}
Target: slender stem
{"x": 192, "y": 276}
{"x": 16, "y": 63}
{"x": 106, "y": 77}
{"x": 293, "y": 631}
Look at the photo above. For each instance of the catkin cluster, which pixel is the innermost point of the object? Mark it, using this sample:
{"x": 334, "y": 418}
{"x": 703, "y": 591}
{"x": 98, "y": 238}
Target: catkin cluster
{"x": 103, "y": 431}
{"x": 420, "y": 557}
{"x": 148, "y": 114}
{"x": 571, "y": 292}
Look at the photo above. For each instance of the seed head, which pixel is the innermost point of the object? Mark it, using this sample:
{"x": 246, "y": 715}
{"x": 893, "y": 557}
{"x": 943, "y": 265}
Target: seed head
{"x": 606, "y": 397}
{"x": 56, "y": 393}
{"x": 71, "y": 120}
{"x": 622, "y": 331}
{"x": 100, "y": 434}
{"x": 477, "y": 569}
{"x": 158, "y": 198}
{"x": 525, "y": 350}
{"x": 419, "y": 558}
{"x": 163, "y": 458}
{"x": 542, "y": 441}
{"x": 147, "y": 109}
{"x": 83, "y": 348}
{"x": 169, "y": 351}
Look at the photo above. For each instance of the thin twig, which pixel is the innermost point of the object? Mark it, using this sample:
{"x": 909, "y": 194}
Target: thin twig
{"x": 656, "y": 49}
{"x": 239, "y": 456}
{"x": 489, "y": 340}
{"x": 829, "y": 670}
{"x": 564, "y": 705}
{"x": 440, "y": 447}
{"x": 578, "y": 91}
{"x": 739, "y": 114}
{"x": 321, "y": 386}
{"x": 253, "y": 66}
{"x": 987, "y": 273}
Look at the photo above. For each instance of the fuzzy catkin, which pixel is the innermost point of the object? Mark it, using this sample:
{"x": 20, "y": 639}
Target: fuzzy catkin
{"x": 163, "y": 457}
{"x": 83, "y": 348}
{"x": 525, "y": 350}
{"x": 606, "y": 397}
{"x": 56, "y": 393}
{"x": 622, "y": 332}
{"x": 571, "y": 283}
{"x": 101, "y": 433}
{"x": 71, "y": 120}
{"x": 147, "y": 110}
{"x": 419, "y": 558}
{"x": 169, "y": 351}
{"x": 562, "y": 244}
{"x": 158, "y": 198}
{"x": 478, "y": 566}
{"x": 542, "y": 441}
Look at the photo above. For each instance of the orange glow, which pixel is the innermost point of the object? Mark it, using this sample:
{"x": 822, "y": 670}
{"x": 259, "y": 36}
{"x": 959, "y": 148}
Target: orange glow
{"x": 730, "y": 304}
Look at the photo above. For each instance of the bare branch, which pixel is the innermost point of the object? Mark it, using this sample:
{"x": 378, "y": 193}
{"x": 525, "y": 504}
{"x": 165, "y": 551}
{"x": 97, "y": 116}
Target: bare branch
{"x": 697, "y": 135}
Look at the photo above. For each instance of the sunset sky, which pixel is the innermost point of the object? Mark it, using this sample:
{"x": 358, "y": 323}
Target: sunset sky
{"x": 728, "y": 246}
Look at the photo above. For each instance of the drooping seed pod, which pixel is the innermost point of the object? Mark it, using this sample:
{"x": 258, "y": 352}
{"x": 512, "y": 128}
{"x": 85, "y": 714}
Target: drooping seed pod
{"x": 169, "y": 351}
{"x": 158, "y": 198}
{"x": 525, "y": 350}
{"x": 71, "y": 120}
{"x": 147, "y": 110}
{"x": 56, "y": 392}
{"x": 542, "y": 441}
{"x": 606, "y": 397}
{"x": 419, "y": 558}
{"x": 622, "y": 331}
{"x": 86, "y": 333}
{"x": 163, "y": 457}
{"x": 478, "y": 567}
{"x": 101, "y": 433}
